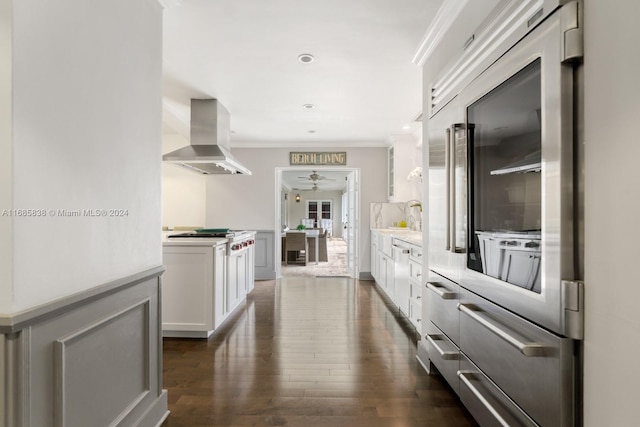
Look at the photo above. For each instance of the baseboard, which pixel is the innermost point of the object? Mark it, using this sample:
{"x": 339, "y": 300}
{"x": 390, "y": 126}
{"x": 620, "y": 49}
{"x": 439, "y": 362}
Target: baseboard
{"x": 365, "y": 275}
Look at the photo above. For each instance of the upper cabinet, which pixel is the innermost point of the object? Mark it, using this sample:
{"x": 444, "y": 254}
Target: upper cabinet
{"x": 405, "y": 155}
{"x": 391, "y": 174}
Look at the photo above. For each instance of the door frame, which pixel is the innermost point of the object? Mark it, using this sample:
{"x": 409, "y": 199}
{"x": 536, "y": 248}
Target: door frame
{"x": 354, "y": 249}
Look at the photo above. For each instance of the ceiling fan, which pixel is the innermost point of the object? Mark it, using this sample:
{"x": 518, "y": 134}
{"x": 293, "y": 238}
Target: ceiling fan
{"x": 314, "y": 188}
{"x": 315, "y": 177}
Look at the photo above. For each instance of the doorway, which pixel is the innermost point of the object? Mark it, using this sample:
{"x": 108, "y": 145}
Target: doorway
{"x": 297, "y": 188}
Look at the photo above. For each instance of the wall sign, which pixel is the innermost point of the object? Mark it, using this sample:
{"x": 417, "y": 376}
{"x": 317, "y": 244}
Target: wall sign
{"x": 297, "y": 158}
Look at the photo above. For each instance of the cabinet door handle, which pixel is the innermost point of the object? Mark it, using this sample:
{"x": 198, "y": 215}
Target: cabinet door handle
{"x": 444, "y": 294}
{"x": 527, "y": 349}
{"x": 463, "y": 377}
{"x": 446, "y": 355}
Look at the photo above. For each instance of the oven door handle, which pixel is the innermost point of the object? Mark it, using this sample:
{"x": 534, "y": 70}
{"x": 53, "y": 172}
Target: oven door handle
{"x": 444, "y": 294}
{"x": 527, "y": 349}
{"x": 445, "y": 355}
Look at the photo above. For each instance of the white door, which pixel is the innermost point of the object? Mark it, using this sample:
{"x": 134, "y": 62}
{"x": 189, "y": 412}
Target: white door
{"x": 353, "y": 198}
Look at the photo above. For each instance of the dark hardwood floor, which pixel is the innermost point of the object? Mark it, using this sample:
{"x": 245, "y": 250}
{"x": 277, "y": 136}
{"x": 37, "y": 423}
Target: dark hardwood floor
{"x": 307, "y": 352}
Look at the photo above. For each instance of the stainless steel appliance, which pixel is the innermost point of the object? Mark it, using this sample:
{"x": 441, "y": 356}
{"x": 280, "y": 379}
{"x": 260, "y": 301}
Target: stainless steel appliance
{"x": 505, "y": 296}
{"x": 209, "y": 150}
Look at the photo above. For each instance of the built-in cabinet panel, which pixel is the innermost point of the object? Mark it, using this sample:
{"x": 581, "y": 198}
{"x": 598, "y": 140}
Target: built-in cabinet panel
{"x": 188, "y": 288}
{"x": 220, "y": 277}
{"x": 237, "y": 280}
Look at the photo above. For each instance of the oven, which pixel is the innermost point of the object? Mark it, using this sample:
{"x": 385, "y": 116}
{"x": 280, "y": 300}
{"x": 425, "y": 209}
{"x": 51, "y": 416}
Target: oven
{"x": 504, "y": 235}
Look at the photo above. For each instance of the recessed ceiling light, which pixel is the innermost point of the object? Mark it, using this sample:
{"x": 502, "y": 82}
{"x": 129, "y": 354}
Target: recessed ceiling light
{"x": 308, "y": 106}
{"x": 406, "y": 127}
{"x": 306, "y": 58}
{"x": 312, "y": 131}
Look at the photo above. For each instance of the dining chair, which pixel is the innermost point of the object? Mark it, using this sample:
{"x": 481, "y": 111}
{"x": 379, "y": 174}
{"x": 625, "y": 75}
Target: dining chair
{"x": 296, "y": 242}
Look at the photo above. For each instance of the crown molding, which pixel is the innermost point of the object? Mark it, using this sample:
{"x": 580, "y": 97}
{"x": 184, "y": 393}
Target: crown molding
{"x": 166, "y": 4}
{"x": 441, "y": 23}
{"x": 308, "y": 145}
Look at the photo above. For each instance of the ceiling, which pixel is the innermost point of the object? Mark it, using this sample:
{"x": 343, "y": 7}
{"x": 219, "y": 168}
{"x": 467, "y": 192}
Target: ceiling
{"x": 362, "y": 84}
{"x": 327, "y": 180}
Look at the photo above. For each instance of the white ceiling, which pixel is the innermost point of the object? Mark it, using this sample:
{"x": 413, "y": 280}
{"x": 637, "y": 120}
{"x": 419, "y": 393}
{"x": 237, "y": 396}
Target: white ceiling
{"x": 245, "y": 53}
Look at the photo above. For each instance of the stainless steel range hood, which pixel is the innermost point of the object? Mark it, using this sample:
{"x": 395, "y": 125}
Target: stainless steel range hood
{"x": 208, "y": 152}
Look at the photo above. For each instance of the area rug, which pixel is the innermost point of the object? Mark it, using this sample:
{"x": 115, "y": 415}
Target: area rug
{"x": 336, "y": 266}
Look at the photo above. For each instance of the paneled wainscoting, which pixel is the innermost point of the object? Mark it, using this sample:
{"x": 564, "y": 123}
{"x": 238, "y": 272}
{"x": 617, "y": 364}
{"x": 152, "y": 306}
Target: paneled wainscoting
{"x": 307, "y": 352}
{"x": 92, "y": 359}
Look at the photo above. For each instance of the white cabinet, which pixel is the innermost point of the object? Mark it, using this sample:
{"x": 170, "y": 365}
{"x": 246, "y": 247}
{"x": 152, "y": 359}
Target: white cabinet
{"x": 396, "y": 267}
{"x": 220, "y": 280}
{"x": 192, "y": 288}
{"x": 416, "y": 285}
{"x": 251, "y": 268}
{"x": 401, "y": 275}
{"x": 375, "y": 269}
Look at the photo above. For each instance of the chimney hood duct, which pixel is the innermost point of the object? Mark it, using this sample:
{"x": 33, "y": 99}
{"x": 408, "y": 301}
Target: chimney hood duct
{"x": 208, "y": 152}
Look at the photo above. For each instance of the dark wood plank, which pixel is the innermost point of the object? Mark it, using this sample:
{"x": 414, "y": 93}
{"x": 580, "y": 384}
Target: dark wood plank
{"x": 306, "y": 352}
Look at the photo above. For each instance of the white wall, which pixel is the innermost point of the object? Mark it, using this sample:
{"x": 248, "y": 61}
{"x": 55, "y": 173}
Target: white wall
{"x": 248, "y": 202}
{"x": 86, "y": 135}
{"x": 612, "y": 208}
{"x": 183, "y": 191}
{"x": 6, "y": 159}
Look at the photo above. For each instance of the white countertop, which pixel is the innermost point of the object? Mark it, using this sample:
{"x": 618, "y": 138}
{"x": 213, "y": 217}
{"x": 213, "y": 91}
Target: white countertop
{"x": 410, "y": 236}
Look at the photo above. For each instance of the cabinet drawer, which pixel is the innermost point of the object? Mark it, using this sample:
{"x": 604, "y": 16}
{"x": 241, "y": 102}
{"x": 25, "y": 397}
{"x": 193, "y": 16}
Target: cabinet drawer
{"x": 443, "y": 297}
{"x": 539, "y": 363}
{"x": 415, "y": 271}
{"x": 486, "y": 402}
{"x": 444, "y": 354}
{"x": 415, "y": 311}
{"x": 416, "y": 254}
{"x": 415, "y": 293}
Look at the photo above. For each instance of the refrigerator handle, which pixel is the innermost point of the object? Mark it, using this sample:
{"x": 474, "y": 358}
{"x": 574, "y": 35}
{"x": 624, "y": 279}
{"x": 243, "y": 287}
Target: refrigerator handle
{"x": 447, "y": 168}
{"x": 452, "y": 191}
{"x": 452, "y": 182}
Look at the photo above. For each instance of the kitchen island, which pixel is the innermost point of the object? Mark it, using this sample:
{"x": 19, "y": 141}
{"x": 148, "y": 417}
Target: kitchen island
{"x": 206, "y": 279}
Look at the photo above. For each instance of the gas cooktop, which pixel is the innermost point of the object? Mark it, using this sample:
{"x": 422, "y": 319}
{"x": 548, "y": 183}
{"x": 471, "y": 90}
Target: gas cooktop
{"x": 204, "y": 235}
{"x": 224, "y": 233}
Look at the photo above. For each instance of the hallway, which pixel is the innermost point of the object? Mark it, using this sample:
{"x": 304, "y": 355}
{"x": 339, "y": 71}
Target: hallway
{"x": 307, "y": 352}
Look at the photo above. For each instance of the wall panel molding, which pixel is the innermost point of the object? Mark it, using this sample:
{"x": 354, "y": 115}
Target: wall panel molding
{"x": 96, "y": 362}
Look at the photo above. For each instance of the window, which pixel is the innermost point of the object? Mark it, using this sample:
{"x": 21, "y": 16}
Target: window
{"x": 318, "y": 209}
